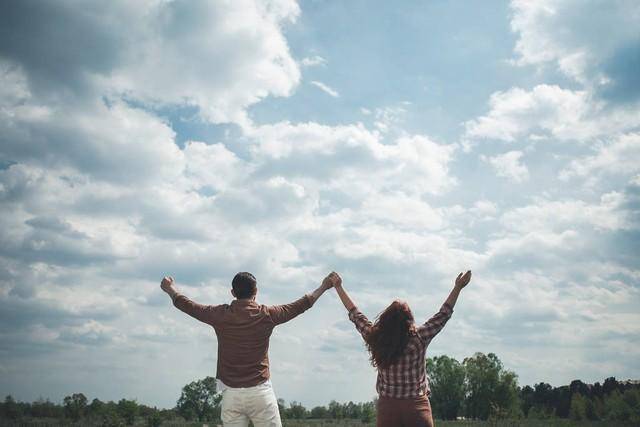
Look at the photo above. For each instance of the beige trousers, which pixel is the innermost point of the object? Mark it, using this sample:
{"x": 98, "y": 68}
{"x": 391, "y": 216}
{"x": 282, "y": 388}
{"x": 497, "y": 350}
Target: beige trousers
{"x": 258, "y": 404}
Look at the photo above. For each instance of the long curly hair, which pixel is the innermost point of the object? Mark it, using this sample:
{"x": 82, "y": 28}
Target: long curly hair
{"x": 390, "y": 334}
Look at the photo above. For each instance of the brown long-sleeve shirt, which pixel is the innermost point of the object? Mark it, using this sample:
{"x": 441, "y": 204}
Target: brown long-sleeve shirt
{"x": 243, "y": 329}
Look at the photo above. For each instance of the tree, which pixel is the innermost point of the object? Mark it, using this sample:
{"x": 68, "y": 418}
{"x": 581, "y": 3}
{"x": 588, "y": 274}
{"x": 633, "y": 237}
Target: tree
{"x": 11, "y": 409}
{"x": 319, "y": 412}
{"x": 368, "y": 412}
{"x": 491, "y": 390}
{"x": 200, "y": 400}
{"x": 336, "y": 410}
{"x": 75, "y": 406}
{"x": 446, "y": 380}
{"x": 578, "y": 409}
{"x": 296, "y": 411}
{"x": 96, "y": 408}
{"x": 128, "y": 409}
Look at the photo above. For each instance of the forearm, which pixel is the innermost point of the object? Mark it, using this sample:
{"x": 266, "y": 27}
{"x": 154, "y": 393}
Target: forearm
{"x": 453, "y": 296}
{"x": 173, "y": 293}
{"x": 313, "y": 296}
{"x": 344, "y": 297}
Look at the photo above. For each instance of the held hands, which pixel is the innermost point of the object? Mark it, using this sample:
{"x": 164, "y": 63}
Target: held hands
{"x": 463, "y": 279}
{"x": 332, "y": 280}
{"x": 167, "y": 284}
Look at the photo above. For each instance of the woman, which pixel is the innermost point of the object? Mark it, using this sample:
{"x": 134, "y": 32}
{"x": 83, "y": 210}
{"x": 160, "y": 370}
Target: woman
{"x": 397, "y": 348}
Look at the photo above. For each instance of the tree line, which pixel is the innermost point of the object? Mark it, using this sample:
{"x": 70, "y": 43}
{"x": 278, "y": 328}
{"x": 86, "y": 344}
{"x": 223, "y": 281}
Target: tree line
{"x": 479, "y": 387}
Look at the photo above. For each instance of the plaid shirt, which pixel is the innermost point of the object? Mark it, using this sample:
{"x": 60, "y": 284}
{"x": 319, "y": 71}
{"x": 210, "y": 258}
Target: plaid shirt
{"x": 407, "y": 377}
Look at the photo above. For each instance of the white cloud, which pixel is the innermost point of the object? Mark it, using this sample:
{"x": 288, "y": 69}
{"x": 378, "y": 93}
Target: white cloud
{"x": 326, "y": 89}
{"x": 567, "y": 33}
{"x": 620, "y": 156}
{"x": 312, "y": 61}
{"x": 508, "y": 165}
{"x": 560, "y": 215}
{"x": 549, "y": 111}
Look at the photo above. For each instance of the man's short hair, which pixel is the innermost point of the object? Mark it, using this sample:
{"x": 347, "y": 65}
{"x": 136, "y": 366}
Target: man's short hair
{"x": 244, "y": 285}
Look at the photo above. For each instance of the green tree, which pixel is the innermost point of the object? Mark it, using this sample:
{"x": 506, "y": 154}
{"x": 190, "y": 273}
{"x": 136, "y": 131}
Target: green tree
{"x": 128, "y": 409}
{"x": 75, "y": 406}
{"x": 154, "y": 420}
{"x": 491, "y": 390}
{"x": 615, "y": 408}
{"x": 199, "y": 400}
{"x": 446, "y": 380}
{"x": 296, "y": 411}
{"x": 319, "y": 412}
{"x": 578, "y": 409}
{"x": 336, "y": 410}
{"x": 368, "y": 412}
{"x": 11, "y": 409}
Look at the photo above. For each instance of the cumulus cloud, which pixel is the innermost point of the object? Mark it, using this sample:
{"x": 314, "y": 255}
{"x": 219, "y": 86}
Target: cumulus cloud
{"x": 509, "y": 165}
{"x": 218, "y": 57}
{"x": 566, "y": 33}
{"x": 618, "y": 157}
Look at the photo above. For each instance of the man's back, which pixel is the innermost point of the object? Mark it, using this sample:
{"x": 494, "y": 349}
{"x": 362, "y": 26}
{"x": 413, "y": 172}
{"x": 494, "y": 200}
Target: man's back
{"x": 243, "y": 329}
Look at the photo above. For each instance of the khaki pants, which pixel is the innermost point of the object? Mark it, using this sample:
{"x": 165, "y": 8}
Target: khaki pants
{"x": 258, "y": 404}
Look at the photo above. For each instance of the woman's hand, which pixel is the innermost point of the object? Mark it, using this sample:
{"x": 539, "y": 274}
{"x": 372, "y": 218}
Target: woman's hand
{"x": 332, "y": 280}
{"x": 463, "y": 279}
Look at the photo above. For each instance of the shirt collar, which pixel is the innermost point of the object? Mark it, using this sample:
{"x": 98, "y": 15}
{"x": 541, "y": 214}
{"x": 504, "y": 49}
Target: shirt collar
{"x": 244, "y": 302}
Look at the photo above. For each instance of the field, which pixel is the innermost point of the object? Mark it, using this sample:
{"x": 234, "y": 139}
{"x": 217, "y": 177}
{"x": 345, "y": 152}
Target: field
{"x": 347, "y": 423}
{"x": 504, "y": 423}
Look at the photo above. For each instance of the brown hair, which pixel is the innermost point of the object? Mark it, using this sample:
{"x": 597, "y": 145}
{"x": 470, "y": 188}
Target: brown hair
{"x": 390, "y": 334}
{"x": 244, "y": 285}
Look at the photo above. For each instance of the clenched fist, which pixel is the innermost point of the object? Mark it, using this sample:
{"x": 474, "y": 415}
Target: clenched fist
{"x": 332, "y": 280}
{"x": 167, "y": 284}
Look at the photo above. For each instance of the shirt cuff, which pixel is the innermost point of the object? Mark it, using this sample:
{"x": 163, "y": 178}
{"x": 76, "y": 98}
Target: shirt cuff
{"x": 309, "y": 300}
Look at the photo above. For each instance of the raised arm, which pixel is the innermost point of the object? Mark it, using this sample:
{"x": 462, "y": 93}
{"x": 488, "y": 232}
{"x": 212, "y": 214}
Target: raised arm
{"x": 204, "y": 313}
{"x": 363, "y": 325}
{"x": 435, "y": 324}
{"x": 283, "y": 313}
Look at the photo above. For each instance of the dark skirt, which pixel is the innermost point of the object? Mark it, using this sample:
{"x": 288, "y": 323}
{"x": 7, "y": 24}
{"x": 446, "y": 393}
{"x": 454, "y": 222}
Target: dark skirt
{"x": 413, "y": 412}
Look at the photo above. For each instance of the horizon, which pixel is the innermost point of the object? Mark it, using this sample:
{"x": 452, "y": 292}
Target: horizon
{"x": 397, "y": 146}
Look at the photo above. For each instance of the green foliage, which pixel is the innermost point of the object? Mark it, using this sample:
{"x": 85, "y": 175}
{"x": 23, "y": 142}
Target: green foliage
{"x": 75, "y": 406}
{"x": 578, "y": 409}
{"x": 127, "y": 410}
{"x": 446, "y": 380}
{"x": 491, "y": 390}
{"x": 480, "y": 386}
{"x": 200, "y": 401}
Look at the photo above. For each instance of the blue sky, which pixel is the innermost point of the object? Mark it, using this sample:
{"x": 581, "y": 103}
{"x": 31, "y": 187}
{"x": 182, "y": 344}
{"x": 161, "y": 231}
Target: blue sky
{"x": 397, "y": 145}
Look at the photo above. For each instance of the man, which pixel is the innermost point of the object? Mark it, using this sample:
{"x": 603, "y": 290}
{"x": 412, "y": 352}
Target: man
{"x": 243, "y": 329}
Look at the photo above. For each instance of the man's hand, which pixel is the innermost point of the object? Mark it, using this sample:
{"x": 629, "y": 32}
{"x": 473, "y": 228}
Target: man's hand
{"x": 332, "y": 280}
{"x": 463, "y": 279}
{"x": 167, "y": 285}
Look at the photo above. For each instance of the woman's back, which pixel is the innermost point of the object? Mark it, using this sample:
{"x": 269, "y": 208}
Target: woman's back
{"x": 406, "y": 376}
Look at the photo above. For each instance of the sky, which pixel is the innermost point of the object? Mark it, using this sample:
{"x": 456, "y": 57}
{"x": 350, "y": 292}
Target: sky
{"x": 397, "y": 144}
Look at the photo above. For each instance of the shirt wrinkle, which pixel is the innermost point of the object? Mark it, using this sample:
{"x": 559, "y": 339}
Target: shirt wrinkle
{"x": 243, "y": 329}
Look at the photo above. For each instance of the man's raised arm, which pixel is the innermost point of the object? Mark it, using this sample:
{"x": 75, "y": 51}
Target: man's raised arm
{"x": 283, "y": 313}
{"x": 204, "y": 313}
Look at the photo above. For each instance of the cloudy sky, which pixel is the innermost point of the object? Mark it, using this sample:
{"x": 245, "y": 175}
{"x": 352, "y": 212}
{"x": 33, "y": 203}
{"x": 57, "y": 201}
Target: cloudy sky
{"x": 395, "y": 145}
